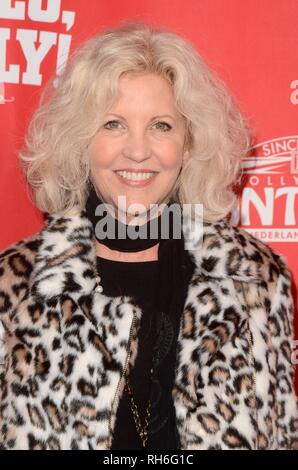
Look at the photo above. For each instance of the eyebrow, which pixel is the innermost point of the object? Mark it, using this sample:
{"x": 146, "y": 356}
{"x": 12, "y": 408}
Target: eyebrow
{"x": 152, "y": 119}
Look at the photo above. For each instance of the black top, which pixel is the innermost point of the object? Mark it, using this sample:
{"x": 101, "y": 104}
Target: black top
{"x": 139, "y": 279}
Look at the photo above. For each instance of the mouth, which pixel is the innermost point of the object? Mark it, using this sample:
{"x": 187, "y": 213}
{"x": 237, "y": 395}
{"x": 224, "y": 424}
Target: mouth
{"x": 136, "y": 178}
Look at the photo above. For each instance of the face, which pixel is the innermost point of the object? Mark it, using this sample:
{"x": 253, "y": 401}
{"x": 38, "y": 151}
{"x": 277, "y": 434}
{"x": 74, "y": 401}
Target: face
{"x": 138, "y": 150}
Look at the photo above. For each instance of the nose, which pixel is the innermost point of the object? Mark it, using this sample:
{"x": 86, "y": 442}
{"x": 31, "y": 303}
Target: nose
{"x": 137, "y": 148}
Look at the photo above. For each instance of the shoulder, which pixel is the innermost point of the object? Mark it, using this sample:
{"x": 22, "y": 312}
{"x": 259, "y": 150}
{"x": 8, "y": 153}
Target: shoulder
{"x": 17, "y": 258}
{"x": 16, "y": 264}
{"x": 275, "y": 278}
{"x": 229, "y": 251}
{"x": 254, "y": 248}
{"x": 30, "y": 243}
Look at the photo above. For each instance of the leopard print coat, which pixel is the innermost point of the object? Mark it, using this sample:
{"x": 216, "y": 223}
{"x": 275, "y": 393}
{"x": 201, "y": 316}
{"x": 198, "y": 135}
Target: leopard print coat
{"x": 65, "y": 349}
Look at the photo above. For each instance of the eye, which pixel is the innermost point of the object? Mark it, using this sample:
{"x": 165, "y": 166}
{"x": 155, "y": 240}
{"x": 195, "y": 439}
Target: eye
{"x": 164, "y": 125}
{"x": 165, "y": 129}
{"x": 111, "y": 122}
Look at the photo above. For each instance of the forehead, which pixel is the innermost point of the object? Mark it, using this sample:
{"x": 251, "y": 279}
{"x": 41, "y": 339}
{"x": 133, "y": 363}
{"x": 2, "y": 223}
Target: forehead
{"x": 146, "y": 92}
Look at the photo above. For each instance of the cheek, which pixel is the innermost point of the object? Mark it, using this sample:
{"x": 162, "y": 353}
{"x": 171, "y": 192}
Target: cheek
{"x": 100, "y": 154}
{"x": 171, "y": 156}
{"x": 171, "y": 161}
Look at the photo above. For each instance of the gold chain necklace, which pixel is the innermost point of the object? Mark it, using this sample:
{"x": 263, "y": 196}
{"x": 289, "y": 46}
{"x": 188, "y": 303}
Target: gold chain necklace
{"x": 141, "y": 430}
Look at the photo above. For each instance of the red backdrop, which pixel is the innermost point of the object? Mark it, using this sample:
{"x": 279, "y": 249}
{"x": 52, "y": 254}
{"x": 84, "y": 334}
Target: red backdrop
{"x": 252, "y": 45}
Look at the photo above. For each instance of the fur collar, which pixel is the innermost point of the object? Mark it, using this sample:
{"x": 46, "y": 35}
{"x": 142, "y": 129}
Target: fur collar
{"x": 68, "y": 244}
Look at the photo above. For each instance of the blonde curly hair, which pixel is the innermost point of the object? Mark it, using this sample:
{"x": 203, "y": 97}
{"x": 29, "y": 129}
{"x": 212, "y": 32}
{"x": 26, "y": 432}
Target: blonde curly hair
{"x": 54, "y": 156}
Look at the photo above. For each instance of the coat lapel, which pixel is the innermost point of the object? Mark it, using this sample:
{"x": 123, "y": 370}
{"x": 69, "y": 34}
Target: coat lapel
{"x": 98, "y": 334}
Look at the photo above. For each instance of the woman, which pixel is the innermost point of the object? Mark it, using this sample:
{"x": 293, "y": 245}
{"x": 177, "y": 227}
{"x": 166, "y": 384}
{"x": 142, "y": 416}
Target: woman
{"x": 142, "y": 342}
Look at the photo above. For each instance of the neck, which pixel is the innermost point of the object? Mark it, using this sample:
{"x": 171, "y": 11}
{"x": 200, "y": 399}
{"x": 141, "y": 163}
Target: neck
{"x": 150, "y": 254}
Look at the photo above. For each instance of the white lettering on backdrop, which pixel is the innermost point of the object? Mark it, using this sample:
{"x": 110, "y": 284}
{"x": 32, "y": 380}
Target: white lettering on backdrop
{"x": 34, "y": 44}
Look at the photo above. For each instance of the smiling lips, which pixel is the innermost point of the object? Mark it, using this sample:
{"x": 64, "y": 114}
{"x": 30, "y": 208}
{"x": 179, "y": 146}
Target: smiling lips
{"x": 136, "y": 178}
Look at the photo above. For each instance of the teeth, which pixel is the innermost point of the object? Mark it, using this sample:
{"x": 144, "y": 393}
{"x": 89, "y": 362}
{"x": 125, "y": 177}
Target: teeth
{"x": 134, "y": 176}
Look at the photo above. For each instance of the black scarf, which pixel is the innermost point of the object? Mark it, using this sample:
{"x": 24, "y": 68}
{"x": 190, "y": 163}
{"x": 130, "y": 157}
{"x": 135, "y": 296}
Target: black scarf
{"x": 174, "y": 262}
{"x": 175, "y": 268}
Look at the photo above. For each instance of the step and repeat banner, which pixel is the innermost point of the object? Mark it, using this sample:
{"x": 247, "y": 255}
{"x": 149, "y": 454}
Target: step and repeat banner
{"x": 252, "y": 45}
